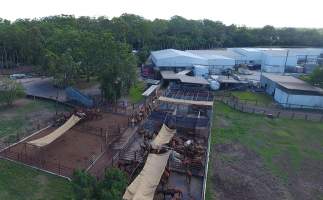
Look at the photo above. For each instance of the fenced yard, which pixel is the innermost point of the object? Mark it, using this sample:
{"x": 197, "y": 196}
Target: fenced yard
{"x": 261, "y": 105}
{"x": 256, "y": 157}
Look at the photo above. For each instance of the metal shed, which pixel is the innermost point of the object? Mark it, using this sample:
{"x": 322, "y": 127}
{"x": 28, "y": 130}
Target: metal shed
{"x": 292, "y": 92}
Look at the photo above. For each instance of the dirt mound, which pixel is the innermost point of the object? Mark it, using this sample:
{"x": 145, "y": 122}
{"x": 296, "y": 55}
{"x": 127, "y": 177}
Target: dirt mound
{"x": 239, "y": 173}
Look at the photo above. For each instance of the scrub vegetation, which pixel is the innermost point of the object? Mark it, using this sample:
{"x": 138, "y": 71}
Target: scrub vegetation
{"x": 25, "y": 114}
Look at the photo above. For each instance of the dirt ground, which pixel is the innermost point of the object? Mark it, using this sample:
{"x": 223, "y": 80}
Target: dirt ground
{"x": 258, "y": 158}
{"x": 76, "y": 149}
{"x": 240, "y": 174}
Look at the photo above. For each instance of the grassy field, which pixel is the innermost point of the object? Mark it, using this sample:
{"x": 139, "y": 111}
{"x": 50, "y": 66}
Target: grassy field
{"x": 23, "y": 114}
{"x": 21, "y": 183}
{"x": 135, "y": 92}
{"x": 285, "y": 147}
{"x": 260, "y": 98}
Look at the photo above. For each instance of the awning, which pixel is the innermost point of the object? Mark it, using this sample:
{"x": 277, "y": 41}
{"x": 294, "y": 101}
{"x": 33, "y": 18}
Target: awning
{"x": 150, "y": 90}
{"x": 46, "y": 140}
{"x": 145, "y": 184}
{"x": 164, "y": 136}
{"x": 184, "y": 72}
{"x": 184, "y": 101}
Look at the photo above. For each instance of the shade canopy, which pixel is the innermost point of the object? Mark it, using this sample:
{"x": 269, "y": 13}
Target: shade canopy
{"x": 46, "y": 140}
{"x": 164, "y": 136}
{"x": 145, "y": 184}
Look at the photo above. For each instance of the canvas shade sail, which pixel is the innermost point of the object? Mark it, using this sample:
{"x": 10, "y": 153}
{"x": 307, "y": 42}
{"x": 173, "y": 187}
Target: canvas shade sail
{"x": 46, "y": 140}
{"x": 164, "y": 136}
{"x": 185, "y": 101}
{"x": 145, "y": 184}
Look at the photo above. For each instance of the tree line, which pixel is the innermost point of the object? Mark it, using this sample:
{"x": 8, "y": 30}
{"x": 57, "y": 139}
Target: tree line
{"x": 71, "y": 48}
{"x": 33, "y": 41}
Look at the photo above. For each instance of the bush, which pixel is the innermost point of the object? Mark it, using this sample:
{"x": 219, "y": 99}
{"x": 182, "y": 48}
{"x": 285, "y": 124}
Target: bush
{"x": 111, "y": 187}
{"x": 10, "y": 90}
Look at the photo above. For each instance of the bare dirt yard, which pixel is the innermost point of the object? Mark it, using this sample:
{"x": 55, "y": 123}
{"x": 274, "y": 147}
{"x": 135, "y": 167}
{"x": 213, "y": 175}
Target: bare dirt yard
{"x": 254, "y": 157}
{"x": 78, "y": 148}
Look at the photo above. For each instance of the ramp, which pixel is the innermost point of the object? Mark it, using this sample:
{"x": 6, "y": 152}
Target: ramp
{"x": 145, "y": 184}
{"x": 76, "y": 95}
{"x": 46, "y": 140}
{"x": 164, "y": 136}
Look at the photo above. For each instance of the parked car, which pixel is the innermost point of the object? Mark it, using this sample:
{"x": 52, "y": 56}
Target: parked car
{"x": 17, "y": 76}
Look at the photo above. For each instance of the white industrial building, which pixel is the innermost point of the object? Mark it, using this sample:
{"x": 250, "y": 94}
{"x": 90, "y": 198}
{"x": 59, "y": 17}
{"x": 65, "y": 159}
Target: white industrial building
{"x": 277, "y": 60}
{"x": 171, "y": 59}
{"x": 252, "y": 56}
{"x": 215, "y": 63}
{"x": 271, "y": 60}
{"x": 292, "y": 92}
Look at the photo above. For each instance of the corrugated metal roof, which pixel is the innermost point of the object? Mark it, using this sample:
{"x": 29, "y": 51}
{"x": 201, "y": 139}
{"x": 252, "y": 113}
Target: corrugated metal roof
{"x": 209, "y": 54}
{"x": 170, "y": 75}
{"x": 150, "y": 90}
{"x": 167, "y": 53}
{"x": 184, "y": 72}
{"x": 193, "y": 79}
{"x": 292, "y": 83}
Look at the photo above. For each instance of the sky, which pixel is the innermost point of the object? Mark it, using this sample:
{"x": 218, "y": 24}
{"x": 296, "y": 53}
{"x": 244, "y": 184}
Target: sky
{"x": 251, "y": 13}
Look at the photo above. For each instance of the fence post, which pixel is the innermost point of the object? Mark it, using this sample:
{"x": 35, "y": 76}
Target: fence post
{"x": 278, "y": 114}
{"x": 293, "y": 115}
{"x": 59, "y": 167}
{"x": 321, "y": 120}
{"x": 306, "y": 116}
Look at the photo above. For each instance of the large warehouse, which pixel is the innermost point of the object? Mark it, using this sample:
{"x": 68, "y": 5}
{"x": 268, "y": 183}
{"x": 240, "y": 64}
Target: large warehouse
{"x": 292, "y": 92}
{"x": 277, "y": 60}
{"x": 216, "y": 63}
{"x": 171, "y": 59}
{"x": 271, "y": 60}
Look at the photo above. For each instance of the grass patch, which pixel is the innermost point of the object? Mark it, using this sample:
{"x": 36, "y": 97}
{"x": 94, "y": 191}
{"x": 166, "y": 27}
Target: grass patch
{"x": 273, "y": 139}
{"x": 136, "y": 91}
{"x": 18, "y": 182}
{"x": 15, "y": 120}
{"x": 259, "y": 98}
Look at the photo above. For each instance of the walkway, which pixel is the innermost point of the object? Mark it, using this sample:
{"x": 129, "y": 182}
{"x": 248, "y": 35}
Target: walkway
{"x": 112, "y": 152}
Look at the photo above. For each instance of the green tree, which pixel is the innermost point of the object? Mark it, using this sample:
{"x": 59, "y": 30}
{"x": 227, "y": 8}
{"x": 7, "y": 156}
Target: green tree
{"x": 113, "y": 186}
{"x": 10, "y": 90}
{"x": 84, "y": 185}
{"x": 316, "y": 77}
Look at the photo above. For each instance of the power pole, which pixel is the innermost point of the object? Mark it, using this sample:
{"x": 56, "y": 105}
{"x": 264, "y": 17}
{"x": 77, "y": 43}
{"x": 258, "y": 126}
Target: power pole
{"x": 286, "y": 61}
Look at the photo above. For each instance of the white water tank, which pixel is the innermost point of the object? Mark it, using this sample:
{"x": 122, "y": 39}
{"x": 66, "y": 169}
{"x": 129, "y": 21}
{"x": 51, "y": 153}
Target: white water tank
{"x": 214, "y": 85}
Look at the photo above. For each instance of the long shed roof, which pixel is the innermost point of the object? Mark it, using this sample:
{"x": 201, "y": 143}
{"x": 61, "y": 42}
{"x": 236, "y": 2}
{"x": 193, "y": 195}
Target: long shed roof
{"x": 292, "y": 83}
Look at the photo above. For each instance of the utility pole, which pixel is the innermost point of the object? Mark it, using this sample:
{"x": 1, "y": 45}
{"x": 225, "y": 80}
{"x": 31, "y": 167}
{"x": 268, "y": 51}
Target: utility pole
{"x": 286, "y": 61}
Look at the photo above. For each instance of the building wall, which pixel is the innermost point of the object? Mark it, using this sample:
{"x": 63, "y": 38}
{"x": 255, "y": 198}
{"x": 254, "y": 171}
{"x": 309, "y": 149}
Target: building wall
{"x": 298, "y": 101}
{"x": 268, "y": 85}
{"x": 273, "y": 69}
{"x": 276, "y": 63}
{"x": 179, "y": 61}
